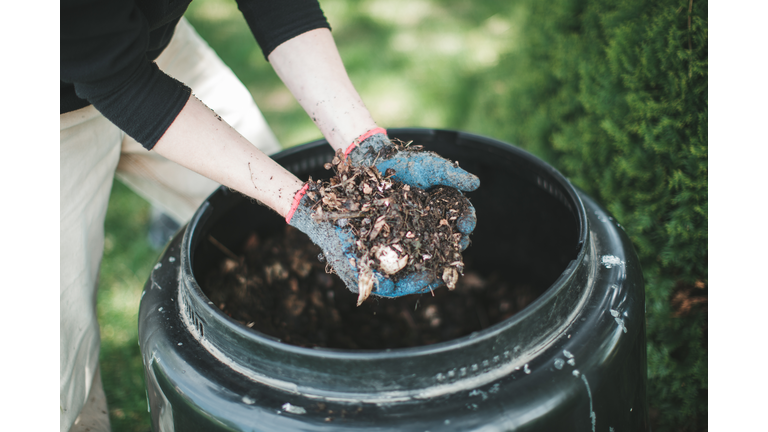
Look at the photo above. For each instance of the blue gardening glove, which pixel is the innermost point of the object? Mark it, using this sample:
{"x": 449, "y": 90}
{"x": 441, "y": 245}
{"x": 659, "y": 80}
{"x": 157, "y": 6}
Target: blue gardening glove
{"x": 415, "y": 168}
{"x": 421, "y": 169}
{"x": 336, "y": 243}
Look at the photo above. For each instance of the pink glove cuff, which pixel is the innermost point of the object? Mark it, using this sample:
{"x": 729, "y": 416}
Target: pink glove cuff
{"x": 296, "y": 200}
{"x": 364, "y": 137}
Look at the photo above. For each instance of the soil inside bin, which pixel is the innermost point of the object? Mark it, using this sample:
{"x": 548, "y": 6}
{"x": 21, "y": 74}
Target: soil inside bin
{"x": 279, "y": 287}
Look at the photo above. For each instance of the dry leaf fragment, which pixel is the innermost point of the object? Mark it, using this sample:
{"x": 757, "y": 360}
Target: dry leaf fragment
{"x": 331, "y": 200}
{"x": 295, "y": 304}
{"x": 351, "y": 205}
{"x": 301, "y": 266}
{"x": 450, "y": 276}
{"x": 228, "y": 265}
{"x": 389, "y": 262}
{"x": 364, "y": 280}
{"x": 377, "y": 226}
{"x": 275, "y": 271}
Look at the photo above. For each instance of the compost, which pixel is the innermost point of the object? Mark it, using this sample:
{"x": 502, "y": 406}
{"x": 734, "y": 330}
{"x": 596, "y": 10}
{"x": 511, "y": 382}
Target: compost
{"x": 398, "y": 229}
{"x": 276, "y": 285}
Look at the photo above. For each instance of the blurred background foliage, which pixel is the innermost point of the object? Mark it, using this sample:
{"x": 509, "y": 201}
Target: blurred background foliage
{"x": 612, "y": 93}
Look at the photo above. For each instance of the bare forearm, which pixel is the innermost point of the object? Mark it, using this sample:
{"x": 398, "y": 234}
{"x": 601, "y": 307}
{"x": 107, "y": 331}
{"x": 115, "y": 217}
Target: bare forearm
{"x": 311, "y": 68}
{"x": 201, "y": 141}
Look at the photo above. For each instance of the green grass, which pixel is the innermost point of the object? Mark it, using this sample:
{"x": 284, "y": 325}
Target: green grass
{"x": 128, "y": 259}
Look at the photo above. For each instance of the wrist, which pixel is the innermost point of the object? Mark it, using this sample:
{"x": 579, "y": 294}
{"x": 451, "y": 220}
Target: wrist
{"x": 367, "y": 148}
{"x": 363, "y": 137}
{"x": 296, "y": 202}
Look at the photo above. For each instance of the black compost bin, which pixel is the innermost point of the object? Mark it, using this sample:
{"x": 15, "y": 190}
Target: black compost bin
{"x": 573, "y": 359}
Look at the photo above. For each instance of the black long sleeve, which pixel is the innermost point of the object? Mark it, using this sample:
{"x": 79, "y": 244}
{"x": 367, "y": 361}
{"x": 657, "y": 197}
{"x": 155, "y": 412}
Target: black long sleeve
{"x": 274, "y": 22}
{"x": 108, "y": 49}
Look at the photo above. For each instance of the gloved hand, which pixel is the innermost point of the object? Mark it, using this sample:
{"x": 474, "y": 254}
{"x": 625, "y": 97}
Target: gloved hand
{"x": 416, "y": 168}
{"x": 336, "y": 243}
{"x": 421, "y": 169}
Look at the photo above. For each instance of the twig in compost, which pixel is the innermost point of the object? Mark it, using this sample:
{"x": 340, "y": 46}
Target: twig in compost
{"x": 223, "y": 248}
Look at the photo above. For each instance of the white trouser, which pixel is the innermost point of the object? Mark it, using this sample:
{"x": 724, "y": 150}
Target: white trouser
{"x": 93, "y": 151}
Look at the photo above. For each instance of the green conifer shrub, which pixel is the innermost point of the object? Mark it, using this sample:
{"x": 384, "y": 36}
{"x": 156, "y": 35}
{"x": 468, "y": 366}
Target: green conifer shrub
{"x": 614, "y": 95}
